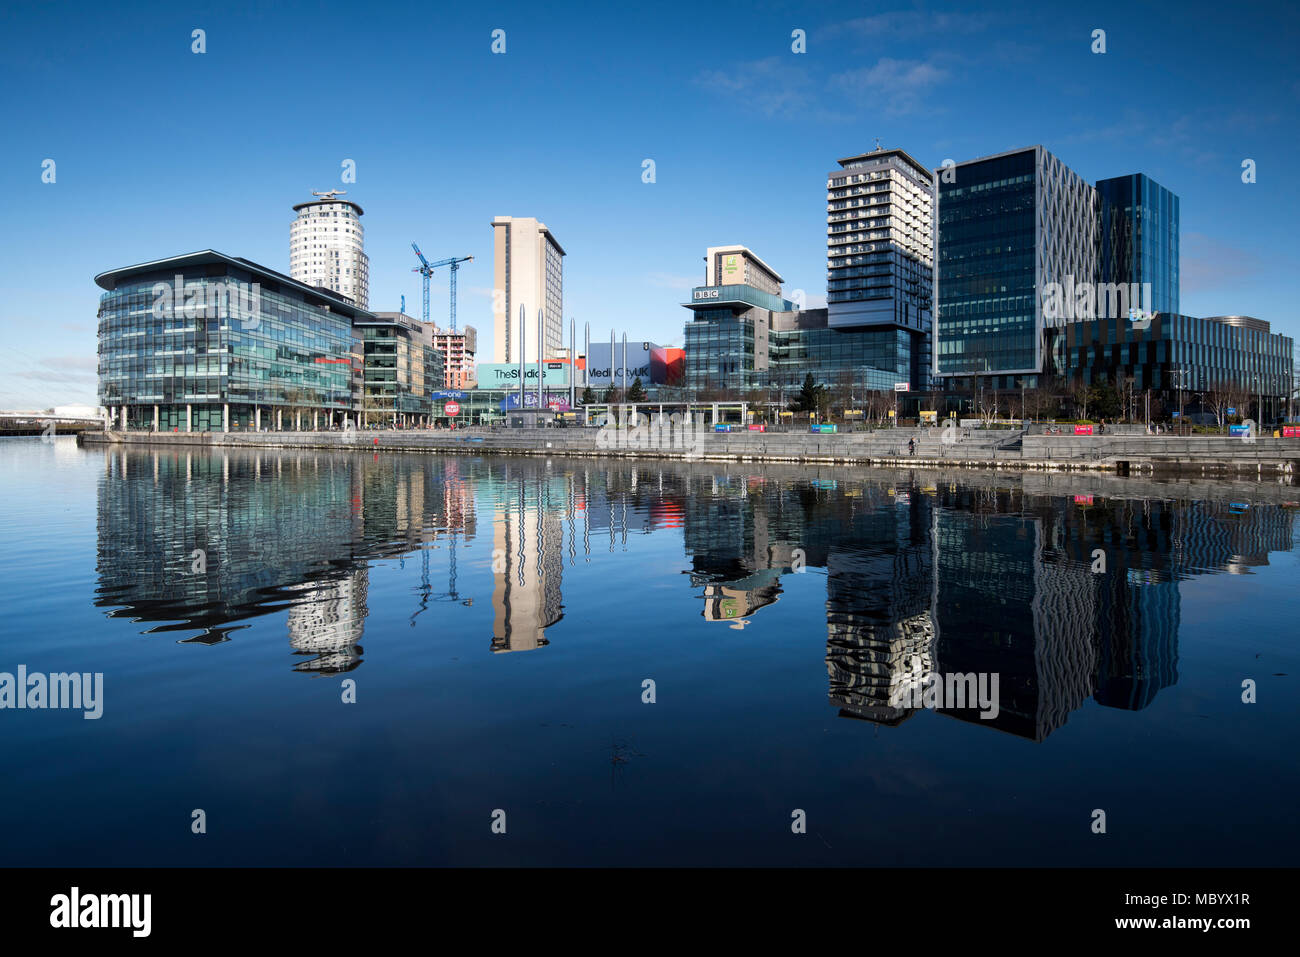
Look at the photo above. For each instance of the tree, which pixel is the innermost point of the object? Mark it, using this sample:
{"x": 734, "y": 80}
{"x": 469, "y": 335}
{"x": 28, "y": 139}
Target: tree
{"x": 635, "y": 392}
{"x": 1104, "y": 401}
{"x": 611, "y": 395}
{"x": 878, "y": 405}
{"x": 1079, "y": 394}
{"x": 841, "y": 392}
{"x": 988, "y": 404}
{"x": 588, "y": 396}
{"x": 1219, "y": 398}
{"x": 810, "y": 397}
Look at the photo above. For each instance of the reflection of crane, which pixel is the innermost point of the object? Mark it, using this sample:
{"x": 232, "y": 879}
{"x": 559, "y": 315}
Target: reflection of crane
{"x": 329, "y": 194}
{"x": 426, "y": 590}
{"x": 426, "y": 268}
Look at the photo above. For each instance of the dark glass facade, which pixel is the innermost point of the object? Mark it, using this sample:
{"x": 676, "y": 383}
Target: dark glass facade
{"x": 764, "y": 350}
{"x": 237, "y": 338}
{"x": 1138, "y": 237}
{"x": 719, "y": 351}
{"x": 1187, "y": 354}
{"x": 986, "y": 285}
{"x": 875, "y": 358}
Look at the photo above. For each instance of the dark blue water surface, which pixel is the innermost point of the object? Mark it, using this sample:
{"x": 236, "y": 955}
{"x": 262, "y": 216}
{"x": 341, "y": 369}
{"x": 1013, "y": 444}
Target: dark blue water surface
{"x": 500, "y": 615}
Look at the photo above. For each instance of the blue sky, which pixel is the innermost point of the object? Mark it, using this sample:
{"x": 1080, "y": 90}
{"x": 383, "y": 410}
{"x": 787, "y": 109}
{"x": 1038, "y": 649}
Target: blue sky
{"x": 161, "y": 151}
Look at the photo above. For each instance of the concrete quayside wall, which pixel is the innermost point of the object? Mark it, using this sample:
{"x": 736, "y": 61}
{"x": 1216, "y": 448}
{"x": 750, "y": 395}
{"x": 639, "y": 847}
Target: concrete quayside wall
{"x": 1263, "y": 457}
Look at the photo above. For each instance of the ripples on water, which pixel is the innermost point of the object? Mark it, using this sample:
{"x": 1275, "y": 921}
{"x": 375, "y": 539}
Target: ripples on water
{"x": 778, "y": 611}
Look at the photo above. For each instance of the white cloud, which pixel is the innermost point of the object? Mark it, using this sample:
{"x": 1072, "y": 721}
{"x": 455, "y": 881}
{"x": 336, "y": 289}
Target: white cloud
{"x": 899, "y": 86}
{"x": 776, "y": 86}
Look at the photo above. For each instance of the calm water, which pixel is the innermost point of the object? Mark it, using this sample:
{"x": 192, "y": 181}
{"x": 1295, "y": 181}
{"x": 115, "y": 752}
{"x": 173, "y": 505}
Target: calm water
{"x": 499, "y": 617}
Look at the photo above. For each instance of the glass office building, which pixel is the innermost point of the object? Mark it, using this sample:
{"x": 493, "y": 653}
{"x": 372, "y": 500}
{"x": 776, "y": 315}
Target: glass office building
{"x": 1225, "y": 355}
{"x": 1138, "y": 238}
{"x": 1009, "y": 225}
{"x": 719, "y": 351}
{"x": 209, "y": 342}
{"x": 402, "y": 370}
{"x": 726, "y": 339}
{"x": 743, "y": 338}
{"x": 870, "y": 359}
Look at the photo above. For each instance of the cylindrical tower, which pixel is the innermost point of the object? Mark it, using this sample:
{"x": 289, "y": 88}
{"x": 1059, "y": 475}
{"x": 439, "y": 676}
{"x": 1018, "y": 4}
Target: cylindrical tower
{"x": 327, "y": 247}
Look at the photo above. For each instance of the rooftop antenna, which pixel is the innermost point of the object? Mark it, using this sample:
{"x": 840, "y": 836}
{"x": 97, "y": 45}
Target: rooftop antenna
{"x": 877, "y": 144}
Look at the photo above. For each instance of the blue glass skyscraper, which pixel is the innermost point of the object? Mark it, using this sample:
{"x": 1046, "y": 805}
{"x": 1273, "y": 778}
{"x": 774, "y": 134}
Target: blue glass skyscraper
{"x": 1138, "y": 238}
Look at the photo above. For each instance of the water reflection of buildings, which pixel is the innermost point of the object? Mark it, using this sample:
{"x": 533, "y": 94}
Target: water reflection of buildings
{"x": 545, "y": 517}
{"x": 736, "y": 601}
{"x": 974, "y": 580}
{"x": 982, "y": 577}
{"x": 276, "y": 531}
{"x": 527, "y": 569}
{"x": 326, "y": 621}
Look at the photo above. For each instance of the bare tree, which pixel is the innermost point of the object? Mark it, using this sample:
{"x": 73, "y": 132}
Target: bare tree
{"x": 1219, "y": 398}
{"x": 1078, "y": 393}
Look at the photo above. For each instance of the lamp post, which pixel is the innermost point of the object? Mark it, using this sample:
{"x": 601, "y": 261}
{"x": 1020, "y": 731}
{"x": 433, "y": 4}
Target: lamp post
{"x": 1181, "y": 372}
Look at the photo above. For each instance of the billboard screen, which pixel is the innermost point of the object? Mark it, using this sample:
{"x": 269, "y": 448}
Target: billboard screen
{"x": 500, "y": 375}
{"x": 556, "y": 401}
{"x": 600, "y": 369}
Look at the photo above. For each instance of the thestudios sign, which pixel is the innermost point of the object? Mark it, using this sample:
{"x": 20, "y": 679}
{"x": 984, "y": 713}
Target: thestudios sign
{"x": 500, "y": 375}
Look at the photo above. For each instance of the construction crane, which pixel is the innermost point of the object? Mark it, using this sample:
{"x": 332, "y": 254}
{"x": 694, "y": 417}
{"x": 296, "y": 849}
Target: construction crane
{"x": 426, "y": 268}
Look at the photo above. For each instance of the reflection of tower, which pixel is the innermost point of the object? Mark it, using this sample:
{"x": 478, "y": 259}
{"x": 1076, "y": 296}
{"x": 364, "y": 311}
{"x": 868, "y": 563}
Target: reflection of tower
{"x": 1141, "y": 656}
{"x": 1138, "y": 607}
{"x": 735, "y": 601}
{"x": 874, "y": 667}
{"x": 993, "y": 621}
{"x": 528, "y": 565}
{"x": 880, "y": 630}
{"x": 326, "y": 620}
{"x": 1064, "y": 609}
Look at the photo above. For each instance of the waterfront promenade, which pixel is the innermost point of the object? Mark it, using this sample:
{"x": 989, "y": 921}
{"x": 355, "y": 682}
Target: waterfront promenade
{"x": 1264, "y": 458}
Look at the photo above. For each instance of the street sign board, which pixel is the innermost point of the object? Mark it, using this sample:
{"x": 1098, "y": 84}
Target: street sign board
{"x": 452, "y": 408}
